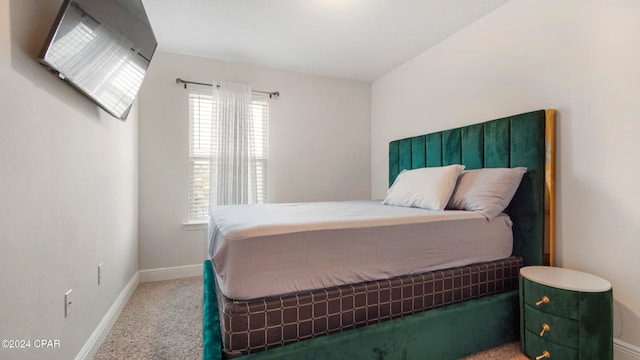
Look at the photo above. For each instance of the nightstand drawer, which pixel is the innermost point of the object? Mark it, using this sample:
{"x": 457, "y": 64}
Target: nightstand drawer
{"x": 535, "y": 346}
{"x": 551, "y": 300}
{"x": 553, "y": 328}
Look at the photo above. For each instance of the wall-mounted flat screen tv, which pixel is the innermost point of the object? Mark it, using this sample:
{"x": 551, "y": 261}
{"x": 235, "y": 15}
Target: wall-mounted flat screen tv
{"x": 103, "y": 48}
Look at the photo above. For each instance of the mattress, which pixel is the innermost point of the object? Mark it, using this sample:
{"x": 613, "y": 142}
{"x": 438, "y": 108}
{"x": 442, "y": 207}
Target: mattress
{"x": 256, "y": 325}
{"x": 270, "y": 250}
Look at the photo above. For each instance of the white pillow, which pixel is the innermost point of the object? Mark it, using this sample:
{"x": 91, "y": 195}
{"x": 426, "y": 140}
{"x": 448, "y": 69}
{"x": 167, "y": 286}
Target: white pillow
{"x": 427, "y": 188}
{"x": 488, "y": 191}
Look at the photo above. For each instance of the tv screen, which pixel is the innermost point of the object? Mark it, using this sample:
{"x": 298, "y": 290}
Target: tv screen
{"x": 103, "y": 48}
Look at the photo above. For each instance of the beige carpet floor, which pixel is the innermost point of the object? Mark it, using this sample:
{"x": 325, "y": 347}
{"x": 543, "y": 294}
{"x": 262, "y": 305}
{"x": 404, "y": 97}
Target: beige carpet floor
{"x": 163, "y": 320}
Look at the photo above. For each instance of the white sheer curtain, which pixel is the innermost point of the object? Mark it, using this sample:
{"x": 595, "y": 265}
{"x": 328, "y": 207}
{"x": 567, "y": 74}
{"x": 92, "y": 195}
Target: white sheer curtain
{"x": 233, "y": 178}
{"x": 233, "y": 157}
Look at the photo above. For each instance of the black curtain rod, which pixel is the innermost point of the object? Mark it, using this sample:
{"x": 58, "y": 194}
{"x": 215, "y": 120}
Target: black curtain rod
{"x": 272, "y": 94}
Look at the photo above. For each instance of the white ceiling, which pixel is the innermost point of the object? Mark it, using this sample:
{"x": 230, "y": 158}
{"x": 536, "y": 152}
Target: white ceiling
{"x": 350, "y": 39}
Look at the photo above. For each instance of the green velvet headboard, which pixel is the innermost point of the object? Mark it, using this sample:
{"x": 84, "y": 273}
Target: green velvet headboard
{"x": 519, "y": 140}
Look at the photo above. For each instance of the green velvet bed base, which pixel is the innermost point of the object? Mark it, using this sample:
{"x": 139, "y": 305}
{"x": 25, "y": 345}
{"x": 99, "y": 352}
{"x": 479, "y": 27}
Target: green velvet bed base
{"x": 455, "y": 330}
{"x": 211, "y": 336}
{"x": 444, "y": 333}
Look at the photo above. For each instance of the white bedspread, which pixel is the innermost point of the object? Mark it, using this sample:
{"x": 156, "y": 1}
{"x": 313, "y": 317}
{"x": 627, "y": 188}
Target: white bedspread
{"x": 274, "y": 249}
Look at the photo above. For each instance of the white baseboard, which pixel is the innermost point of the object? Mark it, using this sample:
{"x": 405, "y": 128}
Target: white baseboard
{"x": 627, "y": 350}
{"x": 170, "y": 273}
{"x": 100, "y": 333}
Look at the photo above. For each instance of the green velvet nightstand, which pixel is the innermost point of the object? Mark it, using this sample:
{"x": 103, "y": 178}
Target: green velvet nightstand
{"x": 565, "y": 314}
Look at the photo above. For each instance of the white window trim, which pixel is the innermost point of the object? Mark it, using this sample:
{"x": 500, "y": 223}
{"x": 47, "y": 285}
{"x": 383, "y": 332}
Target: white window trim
{"x": 195, "y": 225}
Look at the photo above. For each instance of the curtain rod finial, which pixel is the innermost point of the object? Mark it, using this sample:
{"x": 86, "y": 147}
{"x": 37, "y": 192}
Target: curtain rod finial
{"x": 178, "y": 81}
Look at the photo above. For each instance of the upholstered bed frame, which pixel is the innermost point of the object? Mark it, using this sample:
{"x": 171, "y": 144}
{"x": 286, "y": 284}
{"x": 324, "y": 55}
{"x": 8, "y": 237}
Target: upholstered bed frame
{"x": 459, "y": 329}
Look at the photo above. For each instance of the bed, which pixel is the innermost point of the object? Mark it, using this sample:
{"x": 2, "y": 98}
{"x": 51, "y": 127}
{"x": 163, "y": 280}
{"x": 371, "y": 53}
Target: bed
{"x": 458, "y": 307}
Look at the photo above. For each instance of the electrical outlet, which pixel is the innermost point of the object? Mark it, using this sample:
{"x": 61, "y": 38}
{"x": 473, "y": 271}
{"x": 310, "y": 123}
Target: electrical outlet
{"x": 67, "y": 303}
{"x": 100, "y": 273}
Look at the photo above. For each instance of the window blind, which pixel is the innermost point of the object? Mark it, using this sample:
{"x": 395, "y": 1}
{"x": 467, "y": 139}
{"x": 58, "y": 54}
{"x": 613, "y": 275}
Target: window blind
{"x": 260, "y": 117}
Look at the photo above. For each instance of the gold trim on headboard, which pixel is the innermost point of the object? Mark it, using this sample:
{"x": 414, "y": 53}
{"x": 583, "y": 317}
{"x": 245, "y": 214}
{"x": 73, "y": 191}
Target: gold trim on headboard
{"x": 550, "y": 186}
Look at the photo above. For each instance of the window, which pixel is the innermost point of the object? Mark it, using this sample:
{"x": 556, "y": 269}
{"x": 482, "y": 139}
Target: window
{"x": 202, "y": 141}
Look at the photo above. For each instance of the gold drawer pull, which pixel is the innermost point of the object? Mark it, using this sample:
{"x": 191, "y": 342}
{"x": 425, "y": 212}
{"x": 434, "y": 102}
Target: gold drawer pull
{"x": 544, "y": 300}
{"x": 545, "y": 327}
{"x": 545, "y": 355}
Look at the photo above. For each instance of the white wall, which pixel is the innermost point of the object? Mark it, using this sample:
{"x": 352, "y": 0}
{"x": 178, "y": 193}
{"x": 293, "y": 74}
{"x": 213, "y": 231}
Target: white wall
{"x": 68, "y": 195}
{"x": 319, "y": 146}
{"x": 579, "y": 57}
